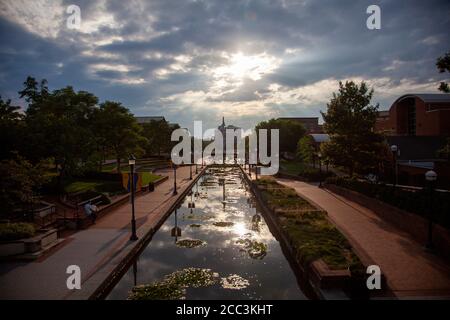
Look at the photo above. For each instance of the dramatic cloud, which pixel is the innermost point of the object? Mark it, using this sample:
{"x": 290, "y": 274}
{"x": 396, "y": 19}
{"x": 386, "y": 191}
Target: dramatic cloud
{"x": 246, "y": 60}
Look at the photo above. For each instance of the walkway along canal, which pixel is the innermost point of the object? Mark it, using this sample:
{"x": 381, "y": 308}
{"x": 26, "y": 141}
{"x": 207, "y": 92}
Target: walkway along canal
{"x": 215, "y": 245}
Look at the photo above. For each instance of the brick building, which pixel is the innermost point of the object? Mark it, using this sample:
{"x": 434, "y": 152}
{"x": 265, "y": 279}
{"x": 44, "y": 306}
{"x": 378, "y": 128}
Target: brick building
{"x": 416, "y": 115}
{"x": 418, "y": 124}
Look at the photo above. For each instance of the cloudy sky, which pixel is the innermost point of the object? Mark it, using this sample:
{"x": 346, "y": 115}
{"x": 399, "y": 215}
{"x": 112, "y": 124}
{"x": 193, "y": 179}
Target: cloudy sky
{"x": 244, "y": 60}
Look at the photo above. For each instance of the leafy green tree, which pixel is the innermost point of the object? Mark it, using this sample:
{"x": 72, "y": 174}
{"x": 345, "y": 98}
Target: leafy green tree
{"x": 158, "y": 136}
{"x": 20, "y": 181}
{"x": 290, "y": 132}
{"x": 59, "y": 127}
{"x": 11, "y": 128}
{"x": 443, "y": 65}
{"x": 119, "y": 131}
{"x": 306, "y": 149}
{"x": 350, "y": 121}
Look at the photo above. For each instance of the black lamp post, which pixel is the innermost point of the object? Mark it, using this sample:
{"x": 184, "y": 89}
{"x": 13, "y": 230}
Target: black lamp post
{"x": 190, "y": 171}
{"x": 175, "y": 192}
{"x": 394, "y": 150}
{"x": 256, "y": 171}
{"x": 319, "y": 157}
{"x": 132, "y": 162}
{"x": 430, "y": 177}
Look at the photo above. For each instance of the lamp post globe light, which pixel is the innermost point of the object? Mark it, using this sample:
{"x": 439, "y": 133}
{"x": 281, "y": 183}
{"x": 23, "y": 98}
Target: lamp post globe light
{"x": 132, "y": 162}
{"x": 430, "y": 177}
{"x": 394, "y": 150}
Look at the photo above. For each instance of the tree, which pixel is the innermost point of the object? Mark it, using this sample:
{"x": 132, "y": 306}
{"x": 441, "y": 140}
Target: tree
{"x": 444, "y": 152}
{"x": 290, "y": 133}
{"x": 306, "y": 149}
{"x": 119, "y": 131}
{"x": 443, "y": 65}
{"x": 158, "y": 136}
{"x": 20, "y": 181}
{"x": 11, "y": 128}
{"x": 59, "y": 127}
{"x": 350, "y": 121}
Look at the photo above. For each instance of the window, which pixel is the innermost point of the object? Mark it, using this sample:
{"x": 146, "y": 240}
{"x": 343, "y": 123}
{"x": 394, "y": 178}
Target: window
{"x": 412, "y": 119}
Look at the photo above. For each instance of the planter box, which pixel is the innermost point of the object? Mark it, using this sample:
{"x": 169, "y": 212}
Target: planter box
{"x": 41, "y": 241}
{"x": 31, "y": 245}
{"x": 45, "y": 210}
{"x": 328, "y": 278}
{"x": 11, "y": 248}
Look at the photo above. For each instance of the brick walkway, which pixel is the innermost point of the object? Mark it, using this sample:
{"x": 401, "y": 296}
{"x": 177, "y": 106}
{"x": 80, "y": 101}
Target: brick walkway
{"x": 95, "y": 250}
{"x": 410, "y": 270}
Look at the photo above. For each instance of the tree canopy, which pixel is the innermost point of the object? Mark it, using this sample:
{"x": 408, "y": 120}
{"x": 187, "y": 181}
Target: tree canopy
{"x": 350, "y": 121}
{"x": 443, "y": 65}
{"x": 290, "y": 132}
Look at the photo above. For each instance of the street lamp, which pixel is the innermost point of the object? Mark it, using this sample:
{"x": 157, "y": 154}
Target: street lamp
{"x": 249, "y": 170}
{"x": 174, "y": 179}
{"x": 319, "y": 156}
{"x": 190, "y": 171}
{"x": 394, "y": 150}
{"x": 256, "y": 171}
{"x": 430, "y": 177}
{"x": 132, "y": 162}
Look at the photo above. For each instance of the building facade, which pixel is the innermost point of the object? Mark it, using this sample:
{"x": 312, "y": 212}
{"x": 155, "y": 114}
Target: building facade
{"x": 419, "y": 125}
{"x": 416, "y": 115}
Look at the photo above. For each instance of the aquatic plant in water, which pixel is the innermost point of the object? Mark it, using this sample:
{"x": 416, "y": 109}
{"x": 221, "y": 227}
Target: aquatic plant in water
{"x": 197, "y": 217}
{"x": 195, "y": 225}
{"x": 190, "y": 243}
{"x": 255, "y": 249}
{"x": 174, "y": 285}
{"x": 223, "y": 224}
{"x": 234, "y": 282}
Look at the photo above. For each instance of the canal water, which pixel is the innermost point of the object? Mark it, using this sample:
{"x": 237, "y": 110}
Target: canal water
{"x": 219, "y": 229}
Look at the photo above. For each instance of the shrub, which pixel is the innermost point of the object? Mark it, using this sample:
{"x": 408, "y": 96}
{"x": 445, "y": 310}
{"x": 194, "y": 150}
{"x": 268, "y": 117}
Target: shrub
{"x": 16, "y": 231}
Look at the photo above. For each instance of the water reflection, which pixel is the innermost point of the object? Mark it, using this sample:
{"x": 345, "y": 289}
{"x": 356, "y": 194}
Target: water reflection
{"x": 236, "y": 244}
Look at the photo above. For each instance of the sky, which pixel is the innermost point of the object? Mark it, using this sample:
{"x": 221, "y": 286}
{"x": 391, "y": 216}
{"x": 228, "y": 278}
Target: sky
{"x": 246, "y": 60}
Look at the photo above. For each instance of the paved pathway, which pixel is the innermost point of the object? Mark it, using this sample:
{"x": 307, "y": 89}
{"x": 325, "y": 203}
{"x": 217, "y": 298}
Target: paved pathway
{"x": 95, "y": 250}
{"x": 409, "y": 269}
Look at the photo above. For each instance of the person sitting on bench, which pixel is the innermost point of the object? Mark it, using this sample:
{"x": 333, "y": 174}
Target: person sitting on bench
{"x": 90, "y": 211}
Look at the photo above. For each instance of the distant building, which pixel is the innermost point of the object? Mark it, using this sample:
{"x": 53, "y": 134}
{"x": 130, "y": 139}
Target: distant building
{"x": 416, "y": 115}
{"x": 418, "y": 125}
{"x": 311, "y": 124}
{"x": 148, "y": 119}
{"x": 223, "y": 129}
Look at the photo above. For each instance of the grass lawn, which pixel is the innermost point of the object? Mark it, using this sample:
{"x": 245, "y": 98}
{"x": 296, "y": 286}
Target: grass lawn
{"x": 148, "y": 177}
{"x": 75, "y": 186}
{"x": 292, "y": 167}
